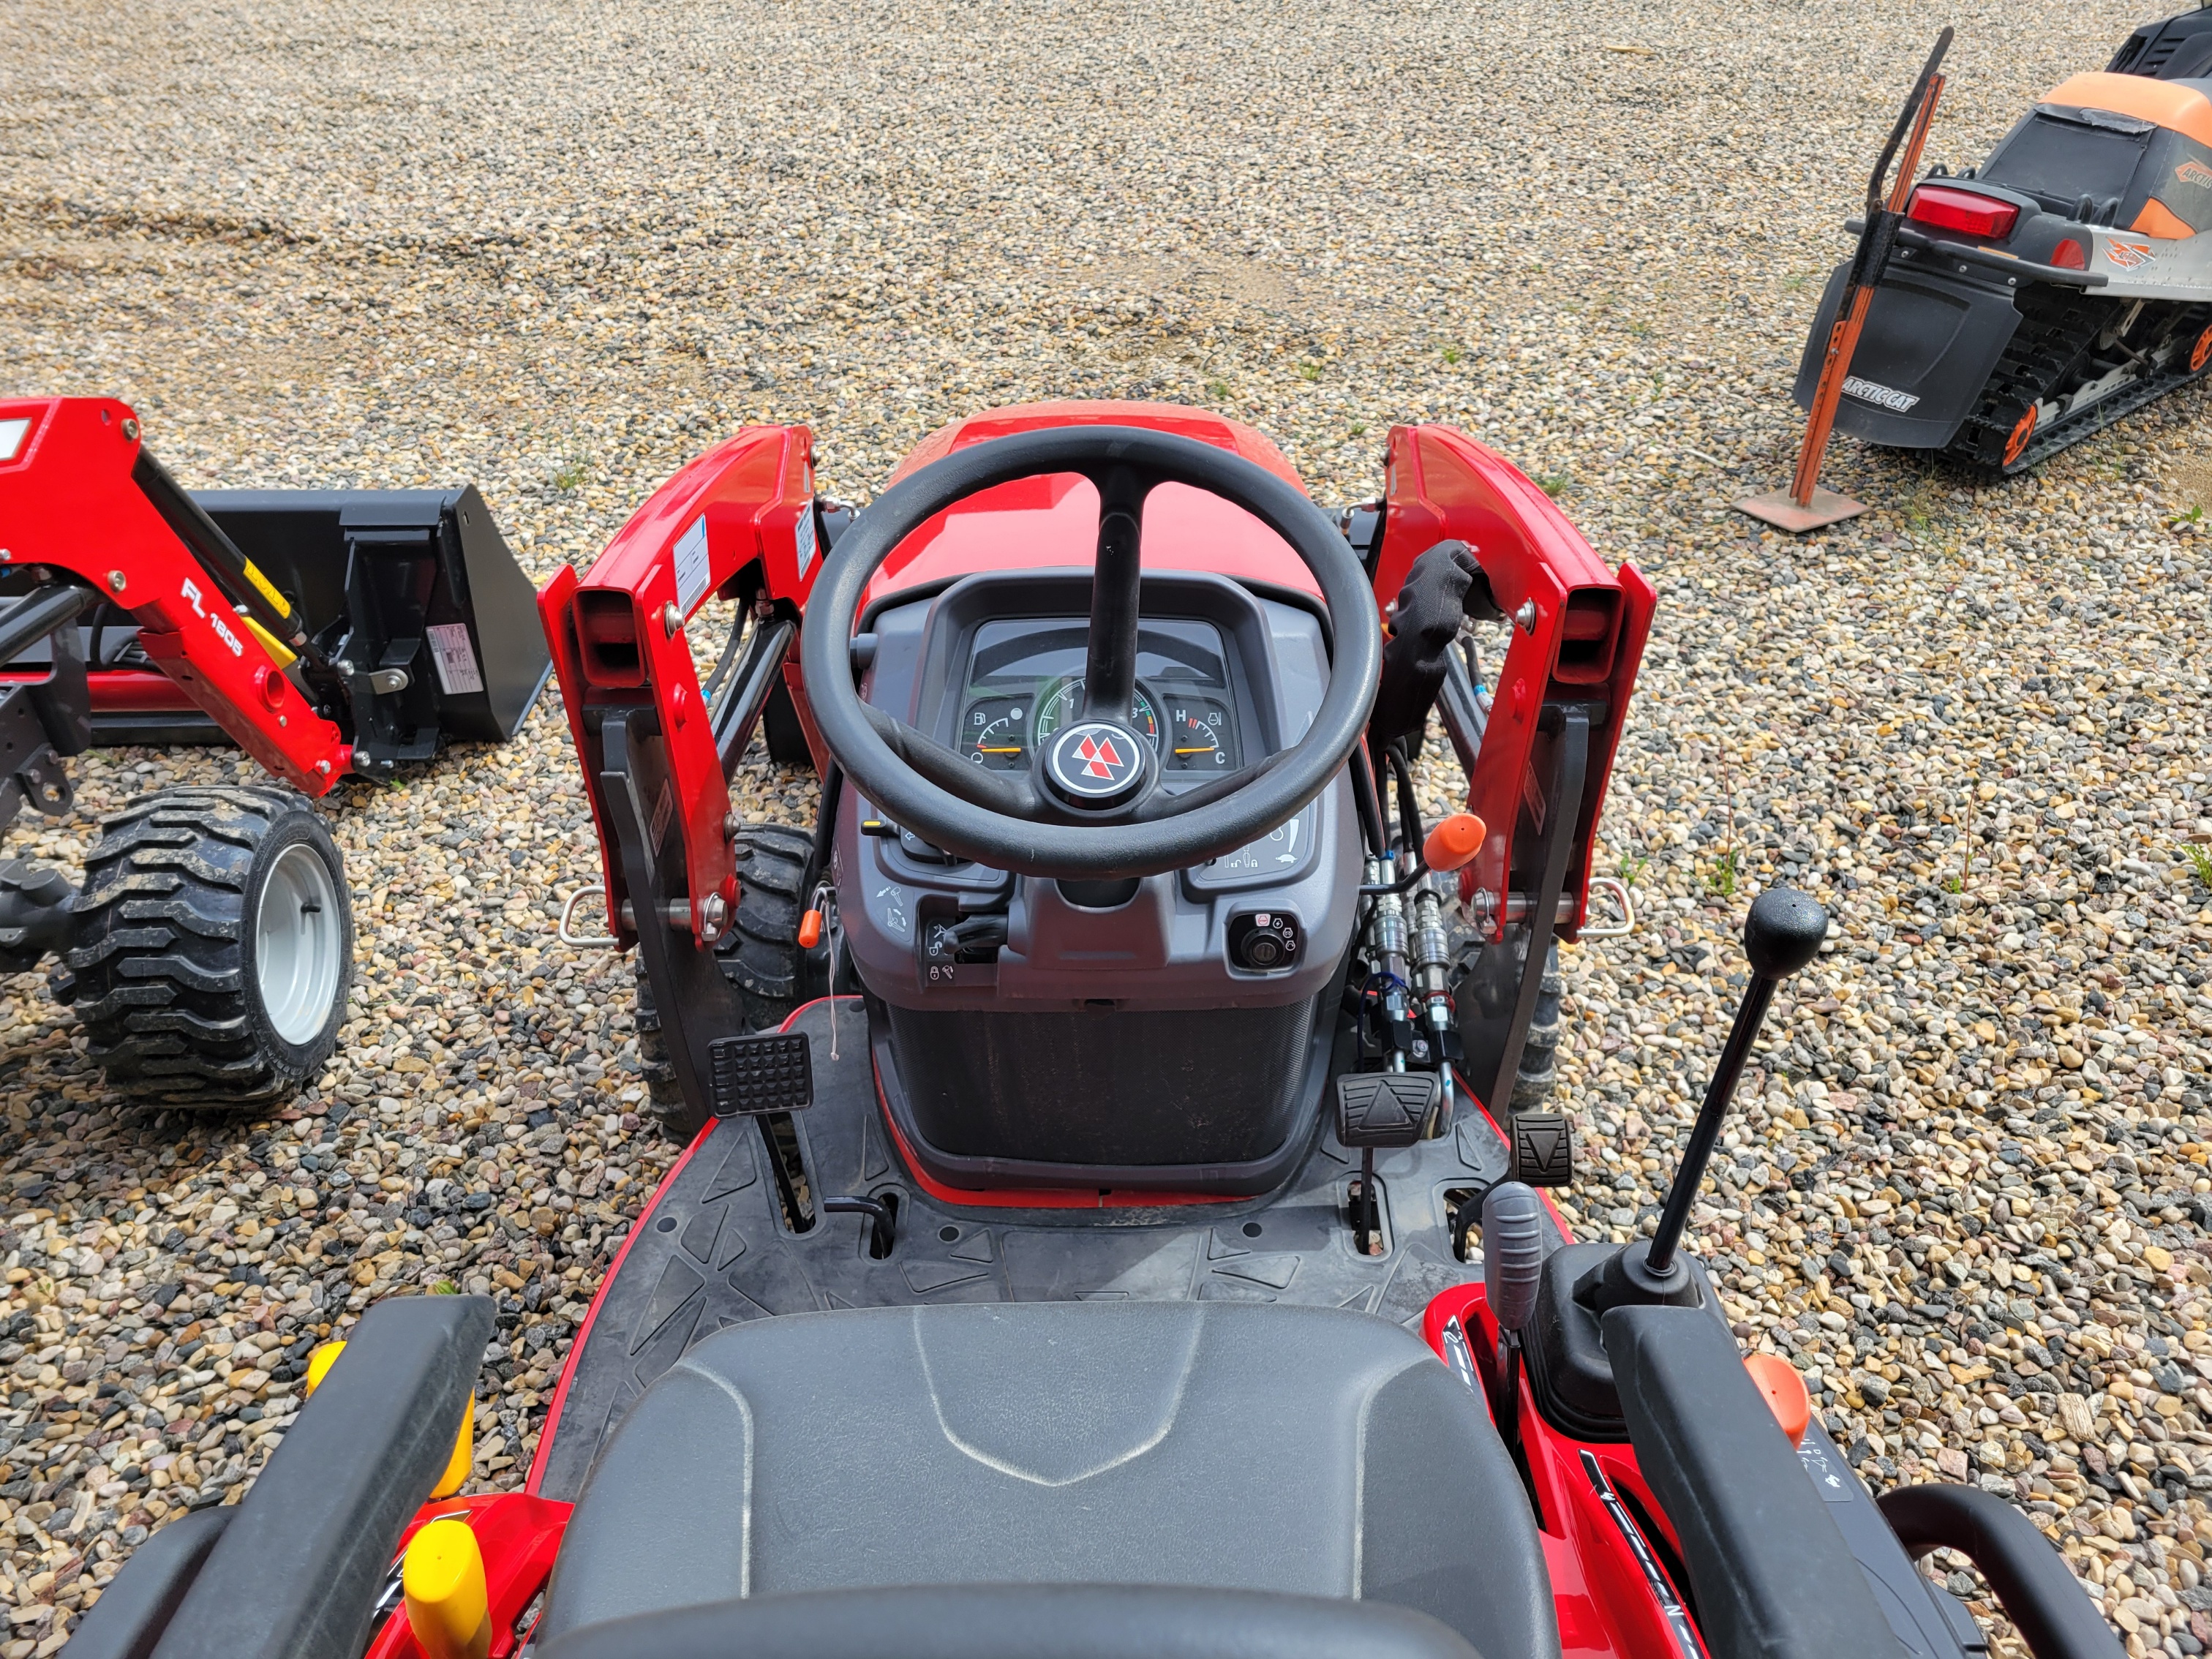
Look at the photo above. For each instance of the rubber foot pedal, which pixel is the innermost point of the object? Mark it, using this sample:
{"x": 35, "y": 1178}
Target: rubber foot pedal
{"x": 1543, "y": 1149}
{"x": 1385, "y": 1108}
{"x": 772, "y": 1072}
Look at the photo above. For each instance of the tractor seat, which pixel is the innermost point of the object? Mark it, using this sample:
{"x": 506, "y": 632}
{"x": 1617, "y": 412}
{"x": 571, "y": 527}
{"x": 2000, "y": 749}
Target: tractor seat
{"x": 1303, "y": 1452}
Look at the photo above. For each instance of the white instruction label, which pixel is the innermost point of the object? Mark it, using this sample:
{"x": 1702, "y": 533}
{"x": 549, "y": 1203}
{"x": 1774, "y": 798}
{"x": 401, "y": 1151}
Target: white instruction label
{"x": 692, "y": 568}
{"x": 803, "y": 533}
{"x": 456, "y": 658}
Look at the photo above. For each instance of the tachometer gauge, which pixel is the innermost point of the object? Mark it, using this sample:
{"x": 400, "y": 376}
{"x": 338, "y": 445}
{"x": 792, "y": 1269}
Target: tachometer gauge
{"x": 1198, "y": 739}
{"x": 1062, "y": 702}
{"x": 995, "y": 734}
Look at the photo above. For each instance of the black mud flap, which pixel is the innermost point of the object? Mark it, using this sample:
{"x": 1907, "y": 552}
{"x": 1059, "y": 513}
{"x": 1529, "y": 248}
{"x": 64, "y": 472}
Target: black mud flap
{"x": 1931, "y": 344}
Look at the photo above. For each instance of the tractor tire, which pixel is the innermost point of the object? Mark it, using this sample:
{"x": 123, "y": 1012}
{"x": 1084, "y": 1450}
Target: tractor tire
{"x": 1539, "y": 1051}
{"x": 760, "y": 955}
{"x": 780, "y": 726}
{"x": 211, "y": 950}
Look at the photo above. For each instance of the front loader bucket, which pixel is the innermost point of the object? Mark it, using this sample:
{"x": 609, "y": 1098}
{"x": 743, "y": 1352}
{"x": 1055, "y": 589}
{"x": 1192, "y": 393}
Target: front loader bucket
{"x": 419, "y": 581}
{"x": 413, "y": 591}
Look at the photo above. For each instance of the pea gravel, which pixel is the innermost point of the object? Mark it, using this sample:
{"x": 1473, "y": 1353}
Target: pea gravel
{"x": 558, "y": 249}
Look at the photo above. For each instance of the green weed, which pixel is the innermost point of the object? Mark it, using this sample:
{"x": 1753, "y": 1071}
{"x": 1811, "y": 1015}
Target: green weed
{"x": 1553, "y": 485}
{"x": 1216, "y": 390}
{"x": 1721, "y": 881}
{"x": 1359, "y": 428}
{"x": 1453, "y": 354}
{"x": 2200, "y": 860}
{"x": 1631, "y": 870}
{"x": 570, "y": 475}
{"x": 1309, "y": 371}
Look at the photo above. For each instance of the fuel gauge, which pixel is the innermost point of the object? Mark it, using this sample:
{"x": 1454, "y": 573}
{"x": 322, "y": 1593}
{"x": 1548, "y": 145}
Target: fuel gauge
{"x": 995, "y": 734}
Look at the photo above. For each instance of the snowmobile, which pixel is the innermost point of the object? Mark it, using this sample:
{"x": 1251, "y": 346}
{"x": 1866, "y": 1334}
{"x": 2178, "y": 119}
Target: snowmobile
{"x": 1128, "y": 1247}
{"x": 330, "y": 633}
{"x": 2063, "y": 283}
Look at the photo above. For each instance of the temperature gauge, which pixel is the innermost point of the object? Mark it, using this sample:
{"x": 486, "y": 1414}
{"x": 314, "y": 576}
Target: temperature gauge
{"x": 995, "y": 734}
{"x": 1199, "y": 737}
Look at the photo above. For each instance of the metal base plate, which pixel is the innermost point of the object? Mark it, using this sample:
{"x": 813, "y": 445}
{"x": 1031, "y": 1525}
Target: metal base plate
{"x": 716, "y": 1250}
{"x": 1779, "y": 508}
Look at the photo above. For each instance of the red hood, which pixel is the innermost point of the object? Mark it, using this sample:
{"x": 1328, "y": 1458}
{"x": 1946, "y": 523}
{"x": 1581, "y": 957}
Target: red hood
{"x": 1053, "y": 520}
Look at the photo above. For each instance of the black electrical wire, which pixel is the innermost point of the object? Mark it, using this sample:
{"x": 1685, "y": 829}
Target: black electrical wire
{"x": 1363, "y": 797}
{"x": 1409, "y": 810}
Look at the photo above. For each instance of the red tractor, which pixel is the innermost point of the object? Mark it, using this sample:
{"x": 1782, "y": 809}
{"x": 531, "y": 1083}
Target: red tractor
{"x": 1125, "y": 1245}
{"x": 330, "y": 633}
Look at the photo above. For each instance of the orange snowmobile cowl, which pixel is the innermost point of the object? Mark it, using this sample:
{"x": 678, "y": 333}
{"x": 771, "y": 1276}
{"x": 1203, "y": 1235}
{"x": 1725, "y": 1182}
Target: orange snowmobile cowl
{"x": 2168, "y": 103}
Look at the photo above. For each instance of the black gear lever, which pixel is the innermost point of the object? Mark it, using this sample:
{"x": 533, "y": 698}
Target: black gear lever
{"x": 1781, "y": 935}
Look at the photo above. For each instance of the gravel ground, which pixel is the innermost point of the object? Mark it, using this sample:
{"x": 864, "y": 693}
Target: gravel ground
{"x": 555, "y": 249}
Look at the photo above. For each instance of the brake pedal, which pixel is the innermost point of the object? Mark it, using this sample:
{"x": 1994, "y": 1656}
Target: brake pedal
{"x": 771, "y": 1072}
{"x": 1385, "y": 1108}
{"x": 1543, "y": 1149}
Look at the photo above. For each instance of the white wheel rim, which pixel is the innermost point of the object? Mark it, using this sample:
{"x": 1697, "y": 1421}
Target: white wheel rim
{"x": 298, "y": 941}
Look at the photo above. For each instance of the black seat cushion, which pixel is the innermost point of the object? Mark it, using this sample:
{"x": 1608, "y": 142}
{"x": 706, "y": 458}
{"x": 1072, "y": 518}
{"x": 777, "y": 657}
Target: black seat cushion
{"x": 1019, "y": 1622}
{"x": 1300, "y": 1450}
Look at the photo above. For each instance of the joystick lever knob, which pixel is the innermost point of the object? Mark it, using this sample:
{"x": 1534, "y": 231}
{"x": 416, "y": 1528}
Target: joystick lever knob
{"x": 1781, "y": 935}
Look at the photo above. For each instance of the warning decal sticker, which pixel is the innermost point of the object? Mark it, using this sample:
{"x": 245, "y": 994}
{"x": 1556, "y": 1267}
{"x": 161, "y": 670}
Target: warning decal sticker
{"x": 455, "y": 657}
{"x": 691, "y": 569}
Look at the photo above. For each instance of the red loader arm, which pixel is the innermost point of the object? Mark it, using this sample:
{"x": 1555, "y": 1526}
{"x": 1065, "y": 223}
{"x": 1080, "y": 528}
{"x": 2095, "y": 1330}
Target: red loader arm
{"x": 739, "y": 520}
{"x": 1578, "y": 636}
{"x": 78, "y": 495}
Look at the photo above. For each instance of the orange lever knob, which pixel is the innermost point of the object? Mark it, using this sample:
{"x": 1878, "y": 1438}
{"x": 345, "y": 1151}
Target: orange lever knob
{"x": 1454, "y": 842}
{"x": 810, "y": 930}
{"x": 1784, "y": 1391}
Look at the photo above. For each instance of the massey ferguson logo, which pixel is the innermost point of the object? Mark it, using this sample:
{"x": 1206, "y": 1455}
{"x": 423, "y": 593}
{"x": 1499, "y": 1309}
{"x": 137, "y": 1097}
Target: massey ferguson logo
{"x": 1099, "y": 757}
{"x": 1094, "y": 760}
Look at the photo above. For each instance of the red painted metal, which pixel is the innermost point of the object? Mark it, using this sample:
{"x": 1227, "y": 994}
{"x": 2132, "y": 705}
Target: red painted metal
{"x": 618, "y": 635}
{"x": 1584, "y": 638}
{"x": 1599, "y": 1593}
{"x": 1038, "y": 523}
{"x": 68, "y": 501}
{"x": 518, "y": 1536}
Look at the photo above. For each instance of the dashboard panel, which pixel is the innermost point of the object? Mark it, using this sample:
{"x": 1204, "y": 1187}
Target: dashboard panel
{"x": 1024, "y": 682}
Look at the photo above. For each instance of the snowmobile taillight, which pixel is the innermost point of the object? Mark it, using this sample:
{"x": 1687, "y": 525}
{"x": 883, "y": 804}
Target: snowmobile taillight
{"x": 1965, "y": 211}
{"x": 2068, "y": 255}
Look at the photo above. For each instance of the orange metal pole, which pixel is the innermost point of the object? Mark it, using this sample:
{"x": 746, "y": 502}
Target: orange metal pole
{"x": 1844, "y": 338}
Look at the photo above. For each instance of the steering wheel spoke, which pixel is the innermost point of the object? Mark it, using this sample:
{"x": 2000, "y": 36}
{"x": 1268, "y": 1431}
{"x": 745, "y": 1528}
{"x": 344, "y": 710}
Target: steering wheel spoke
{"x": 1161, "y": 805}
{"x": 1006, "y": 793}
{"x": 1109, "y": 669}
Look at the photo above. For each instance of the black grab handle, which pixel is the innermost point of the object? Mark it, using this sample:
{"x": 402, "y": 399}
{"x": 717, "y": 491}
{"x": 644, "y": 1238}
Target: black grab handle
{"x": 2038, "y": 1591}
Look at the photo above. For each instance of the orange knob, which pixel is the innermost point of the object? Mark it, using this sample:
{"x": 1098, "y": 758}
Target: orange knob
{"x": 1454, "y": 842}
{"x": 1784, "y": 1391}
{"x": 810, "y": 930}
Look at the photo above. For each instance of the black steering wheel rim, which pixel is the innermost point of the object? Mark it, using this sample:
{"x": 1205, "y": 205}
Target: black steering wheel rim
{"x": 1257, "y": 799}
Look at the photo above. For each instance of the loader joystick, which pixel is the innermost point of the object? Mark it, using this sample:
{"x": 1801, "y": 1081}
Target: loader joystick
{"x": 1781, "y": 935}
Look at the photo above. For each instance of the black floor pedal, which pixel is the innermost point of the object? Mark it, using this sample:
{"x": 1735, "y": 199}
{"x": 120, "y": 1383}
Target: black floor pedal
{"x": 1385, "y": 1108}
{"x": 1543, "y": 1149}
{"x": 772, "y": 1072}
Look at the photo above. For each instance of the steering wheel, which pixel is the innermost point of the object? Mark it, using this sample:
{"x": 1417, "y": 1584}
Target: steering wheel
{"x": 1090, "y": 805}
